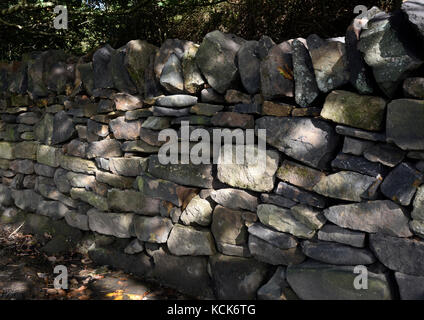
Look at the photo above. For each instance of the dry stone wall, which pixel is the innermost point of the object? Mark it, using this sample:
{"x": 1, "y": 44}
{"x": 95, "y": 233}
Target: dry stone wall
{"x": 342, "y": 188}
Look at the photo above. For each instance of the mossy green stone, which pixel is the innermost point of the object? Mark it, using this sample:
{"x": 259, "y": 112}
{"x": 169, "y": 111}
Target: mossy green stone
{"x": 364, "y": 112}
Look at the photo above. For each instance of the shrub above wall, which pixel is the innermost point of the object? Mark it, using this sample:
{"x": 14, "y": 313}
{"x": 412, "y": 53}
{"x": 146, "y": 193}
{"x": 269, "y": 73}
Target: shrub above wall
{"x": 344, "y": 170}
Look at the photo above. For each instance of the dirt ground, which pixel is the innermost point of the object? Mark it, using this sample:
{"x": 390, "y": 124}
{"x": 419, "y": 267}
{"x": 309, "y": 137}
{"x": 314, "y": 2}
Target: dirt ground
{"x": 27, "y": 273}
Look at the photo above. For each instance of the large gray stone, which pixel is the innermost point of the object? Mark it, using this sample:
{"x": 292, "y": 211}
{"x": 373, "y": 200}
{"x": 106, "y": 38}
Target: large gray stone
{"x": 172, "y": 75}
{"x": 386, "y": 53}
{"x": 277, "y": 239}
{"x": 358, "y": 164}
{"x": 311, "y": 141}
{"x": 317, "y": 281}
{"x": 193, "y": 79}
{"x": 104, "y": 149}
{"x": 216, "y": 59}
{"x": 125, "y": 130}
{"x": 253, "y": 174}
{"x": 249, "y": 66}
{"x": 359, "y": 111}
{"x": 344, "y": 185}
{"x": 228, "y": 226}
{"x": 119, "y": 225}
{"x": 198, "y": 211}
{"x": 414, "y": 10}
{"x": 235, "y": 199}
{"x": 236, "y": 277}
{"x": 164, "y": 190}
{"x": 63, "y": 128}
{"x": 189, "y": 274}
{"x": 188, "y": 241}
{"x": 374, "y": 216}
{"x": 152, "y": 229}
{"x": 132, "y": 201}
{"x": 185, "y": 174}
{"x": 330, "y": 63}
{"x": 387, "y": 154}
{"x": 405, "y": 119}
{"x": 403, "y": 255}
{"x": 130, "y": 167}
{"x": 282, "y": 220}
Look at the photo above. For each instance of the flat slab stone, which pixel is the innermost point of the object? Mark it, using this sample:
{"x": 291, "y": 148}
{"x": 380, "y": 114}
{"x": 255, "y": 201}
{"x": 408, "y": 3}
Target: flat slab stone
{"x": 115, "y": 224}
{"x": 338, "y": 254}
{"x": 299, "y": 175}
{"x": 318, "y": 281}
{"x": 381, "y": 216}
{"x": 278, "y": 239}
{"x": 184, "y": 174}
{"x": 152, "y": 229}
{"x": 337, "y": 234}
{"x": 362, "y": 134}
{"x": 177, "y": 101}
{"x": 282, "y": 220}
{"x": 403, "y": 255}
{"x": 344, "y": 185}
{"x": 385, "y": 154}
{"x": 299, "y": 195}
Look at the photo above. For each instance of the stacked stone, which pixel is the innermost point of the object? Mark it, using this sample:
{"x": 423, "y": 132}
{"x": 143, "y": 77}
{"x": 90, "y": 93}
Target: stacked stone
{"x": 342, "y": 185}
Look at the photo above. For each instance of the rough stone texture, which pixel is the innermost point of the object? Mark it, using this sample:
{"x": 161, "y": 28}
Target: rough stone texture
{"x": 338, "y": 254}
{"x": 236, "y": 278}
{"x": 374, "y": 216}
{"x": 265, "y": 252}
{"x": 335, "y": 233}
{"x": 311, "y": 141}
{"x": 344, "y": 185}
{"x": 253, "y": 174}
{"x": 299, "y": 175}
{"x": 185, "y": 174}
{"x": 414, "y": 88}
{"x": 277, "y": 239}
{"x": 403, "y": 255}
{"x": 228, "y": 226}
{"x": 306, "y": 88}
{"x": 188, "y": 241}
{"x": 172, "y": 75}
{"x": 125, "y": 130}
{"x": 276, "y": 72}
{"x": 282, "y": 220}
{"x": 364, "y": 112}
{"x": 330, "y": 63}
{"x": 402, "y": 183}
{"x": 317, "y": 281}
{"x": 249, "y": 66}
{"x": 391, "y": 61}
{"x": 386, "y": 154}
{"x": 235, "y": 199}
{"x": 115, "y": 224}
{"x": 410, "y": 287}
{"x": 358, "y": 164}
{"x": 198, "y": 211}
{"x": 152, "y": 229}
{"x": 299, "y": 195}
{"x": 405, "y": 118}
{"x": 216, "y": 59}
